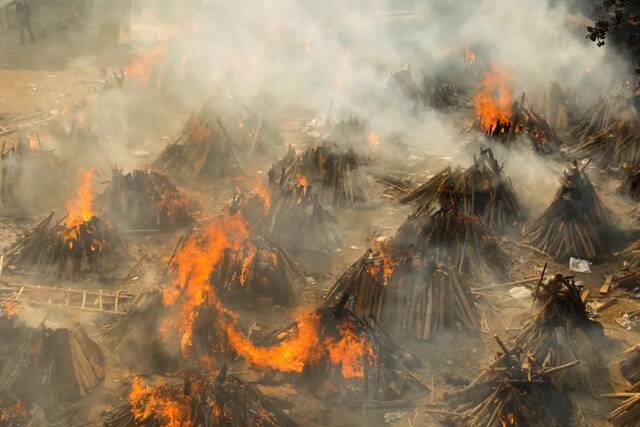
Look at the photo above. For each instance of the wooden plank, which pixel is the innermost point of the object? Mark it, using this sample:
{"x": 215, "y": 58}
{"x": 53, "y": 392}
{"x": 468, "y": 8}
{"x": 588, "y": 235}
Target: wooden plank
{"x": 604, "y": 289}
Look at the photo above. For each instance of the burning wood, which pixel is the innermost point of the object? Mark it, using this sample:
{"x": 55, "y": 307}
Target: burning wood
{"x": 335, "y": 175}
{"x": 224, "y": 400}
{"x": 560, "y": 331}
{"x": 513, "y": 391}
{"x": 507, "y": 121}
{"x": 143, "y": 200}
{"x": 203, "y": 151}
{"x": 576, "y": 224}
{"x": 52, "y": 366}
{"x": 416, "y": 297}
{"x": 80, "y": 243}
{"x": 333, "y": 349}
{"x": 484, "y": 190}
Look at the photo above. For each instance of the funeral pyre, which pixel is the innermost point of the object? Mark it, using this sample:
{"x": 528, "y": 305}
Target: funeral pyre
{"x": 558, "y": 106}
{"x": 560, "y": 331}
{"x": 504, "y": 120}
{"x": 484, "y": 189}
{"x": 78, "y": 244}
{"x": 333, "y": 174}
{"x": 143, "y": 199}
{"x": 513, "y": 391}
{"x": 31, "y": 177}
{"x": 576, "y": 224}
{"x": 197, "y": 400}
{"x": 608, "y": 133}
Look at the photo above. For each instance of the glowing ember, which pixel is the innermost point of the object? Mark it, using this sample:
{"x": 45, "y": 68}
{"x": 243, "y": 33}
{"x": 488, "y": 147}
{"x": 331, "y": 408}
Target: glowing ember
{"x": 147, "y": 402}
{"x": 373, "y": 141}
{"x": 302, "y": 181}
{"x": 493, "y": 99}
{"x": 469, "y": 55}
{"x": 12, "y": 309}
{"x": 349, "y": 352}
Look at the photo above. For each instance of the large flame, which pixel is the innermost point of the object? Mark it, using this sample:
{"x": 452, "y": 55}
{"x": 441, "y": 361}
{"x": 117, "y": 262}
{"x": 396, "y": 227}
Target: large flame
{"x": 349, "y": 351}
{"x": 150, "y": 402}
{"x": 493, "y": 99}
{"x": 80, "y": 207}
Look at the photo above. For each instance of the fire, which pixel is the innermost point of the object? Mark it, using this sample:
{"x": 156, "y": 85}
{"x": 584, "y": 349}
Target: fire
{"x": 493, "y": 99}
{"x": 80, "y": 207}
{"x": 373, "y": 141}
{"x": 34, "y": 140}
{"x": 154, "y": 402}
{"x": 12, "y": 309}
{"x": 469, "y": 55}
{"x": 144, "y": 66}
{"x": 387, "y": 263}
{"x": 246, "y": 264}
{"x": 10, "y": 412}
{"x": 302, "y": 181}
{"x": 349, "y": 352}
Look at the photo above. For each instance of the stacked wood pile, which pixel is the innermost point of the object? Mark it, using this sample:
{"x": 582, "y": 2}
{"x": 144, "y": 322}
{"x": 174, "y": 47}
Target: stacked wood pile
{"x": 627, "y": 414}
{"x": 203, "y": 151}
{"x": 561, "y": 331}
{"x": 438, "y": 91}
{"x": 576, "y": 224}
{"x": 608, "y": 133}
{"x": 222, "y": 401}
{"x": 55, "y": 250}
{"x": 558, "y": 106}
{"x": 52, "y": 366}
{"x": 402, "y": 83}
{"x": 143, "y": 200}
{"x": 334, "y": 173}
{"x": 630, "y": 187}
{"x": 526, "y": 124}
{"x": 379, "y": 372}
{"x": 24, "y": 164}
{"x": 450, "y": 237}
{"x": 630, "y": 367}
{"x": 412, "y": 296}
{"x": 483, "y": 188}
{"x": 513, "y": 391}
{"x": 298, "y": 221}
{"x": 256, "y": 270}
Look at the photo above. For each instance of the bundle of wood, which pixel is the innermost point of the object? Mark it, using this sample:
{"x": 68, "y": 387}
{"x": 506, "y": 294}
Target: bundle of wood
{"x": 222, "y": 401}
{"x": 24, "y": 164}
{"x": 51, "y": 366}
{"x": 58, "y": 250}
{"x": 412, "y": 296}
{"x": 143, "y": 200}
{"x": 334, "y": 174}
{"x": 450, "y": 237}
{"x": 631, "y": 185}
{"x": 608, "y": 133}
{"x": 561, "y": 331}
{"x": 513, "y": 391}
{"x": 355, "y": 359}
{"x": 557, "y": 105}
{"x": 630, "y": 367}
{"x": 525, "y": 123}
{"x": 203, "y": 151}
{"x": 297, "y": 220}
{"x": 628, "y": 413}
{"x": 483, "y": 189}
{"x": 576, "y": 224}
{"x": 256, "y": 270}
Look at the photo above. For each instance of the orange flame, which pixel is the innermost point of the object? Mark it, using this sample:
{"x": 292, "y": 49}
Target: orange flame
{"x": 80, "y": 207}
{"x": 12, "y": 309}
{"x": 373, "y": 141}
{"x": 144, "y": 67}
{"x": 349, "y": 352}
{"x": 302, "y": 181}
{"x": 169, "y": 410}
{"x": 385, "y": 262}
{"x": 34, "y": 140}
{"x": 7, "y": 413}
{"x": 469, "y": 55}
{"x": 493, "y": 99}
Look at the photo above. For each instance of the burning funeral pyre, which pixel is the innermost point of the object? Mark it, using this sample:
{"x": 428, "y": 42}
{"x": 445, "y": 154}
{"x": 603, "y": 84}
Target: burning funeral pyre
{"x": 336, "y": 353}
{"x": 222, "y": 401}
{"x": 560, "y": 331}
{"x": 143, "y": 200}
{"x": 414, "y": 297}
{"x": 203, "y": 151}
{"x": 507, "y": 121}
{"x": 51, "y": 366}
{"x": 576, "y": 224}
{"x": 30, "y": 176}
{"x": 80, "y": 243}
{"x": 513, "y": 391}
{"x": 484, "y": 189}
{"x": 608, "y": 133}
{"x": 335, "y": 175}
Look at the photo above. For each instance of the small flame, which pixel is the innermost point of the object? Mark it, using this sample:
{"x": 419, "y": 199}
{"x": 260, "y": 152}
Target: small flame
{"x": 34, "y": 140}
{"x": 247, "y": 262}
{"x": 374, "y": 141}
{"x": 385, "y": 262}
{"x": 143, "y": 68}
{"x": 493, "y": 99}
{"x": 469, "y": 55}
{"x": 7, "y": 413}
{"x": 302, "y": 181}
{"x": 12, "y": 309}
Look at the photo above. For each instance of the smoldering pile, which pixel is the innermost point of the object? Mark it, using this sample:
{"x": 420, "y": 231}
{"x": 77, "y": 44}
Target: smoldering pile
{"x": 143, "y": 200}
{"x": 576, "y": 224}
{"x": 203, "y": 151}
{"x": 50, "y": 366}
{"x": 199, "y": 400}
{"x": 484, "y": 189}
{"x": 69, "y": 249}
{"x": 513, "y": 391}
{"x": 608, "y": 133}
{"x": 335, "y": 175}
{"x": 21, "y": 166}
{"x": 560, "y": 331}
